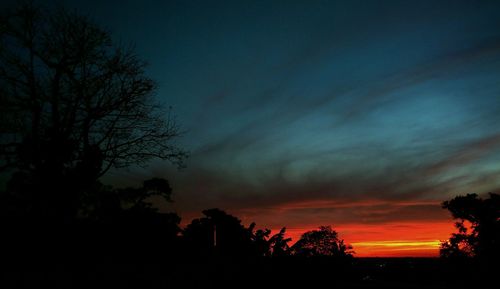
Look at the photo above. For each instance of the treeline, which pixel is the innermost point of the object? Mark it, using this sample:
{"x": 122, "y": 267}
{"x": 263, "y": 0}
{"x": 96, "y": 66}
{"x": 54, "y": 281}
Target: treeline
{"x": 125, "y": 220}
{"x": 73, "y": 105}
{"x": 120, "y": 239}
{"x": 127, "y": 216}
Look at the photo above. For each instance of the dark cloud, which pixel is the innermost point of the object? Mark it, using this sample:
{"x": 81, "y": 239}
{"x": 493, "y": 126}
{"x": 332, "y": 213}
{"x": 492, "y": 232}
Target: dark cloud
{"x": 468, "y": 153}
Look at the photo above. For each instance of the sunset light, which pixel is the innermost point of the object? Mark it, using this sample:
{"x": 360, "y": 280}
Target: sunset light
{"x": 386, "y": 240}
{"x": 400, "y": 248}
{"x": 250, "y": 143}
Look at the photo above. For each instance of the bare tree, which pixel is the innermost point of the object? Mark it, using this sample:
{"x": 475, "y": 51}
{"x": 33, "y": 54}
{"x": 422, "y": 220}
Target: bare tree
{"x": 73, "y": 103}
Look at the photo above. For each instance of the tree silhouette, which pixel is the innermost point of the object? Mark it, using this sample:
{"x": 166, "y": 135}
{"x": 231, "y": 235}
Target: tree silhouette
{"x": 115, "y": 221}
{"x": 260, "y": 239}
{"x": 220, "y": 233}
{"x": 109, "y": 202}
{"x": 223, "y": 234}
{"x": 278, "y": 244}
{"x": 478, "y": 227}
{"x": 322, "y": 242}
{"x": 73, "y": 104}
{"x": 269, "y": 246}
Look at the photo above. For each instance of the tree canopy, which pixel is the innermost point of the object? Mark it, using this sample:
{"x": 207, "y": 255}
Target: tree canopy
{"x": 223, "y": 234}
{"x": 321, "y": 242}
{"x": 478, "y": 227}
{"x": 73, "y": 104}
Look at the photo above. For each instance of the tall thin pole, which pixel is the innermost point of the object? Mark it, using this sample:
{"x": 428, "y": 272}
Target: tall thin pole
{"x": 215, "y": 235}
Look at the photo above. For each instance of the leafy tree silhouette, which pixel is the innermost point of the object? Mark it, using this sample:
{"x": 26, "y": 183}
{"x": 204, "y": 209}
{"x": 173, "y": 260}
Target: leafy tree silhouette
{"x": 109, "y": 202}
{"x": 269, "y": 246}
{"x": 260, "y": 239}
{"x": 124, "y": 220}
{"x": 222, "y": 234}
{"x": 73, "y": 104}
{"x": 482, "y": 238}
{"x": 279, "y": 244}
{"x": 322, "y": 242}
{"x": 218, "y": 233}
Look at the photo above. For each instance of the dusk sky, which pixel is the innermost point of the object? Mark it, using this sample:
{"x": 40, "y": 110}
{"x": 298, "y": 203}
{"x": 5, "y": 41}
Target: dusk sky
{"x": 363, "y": 115}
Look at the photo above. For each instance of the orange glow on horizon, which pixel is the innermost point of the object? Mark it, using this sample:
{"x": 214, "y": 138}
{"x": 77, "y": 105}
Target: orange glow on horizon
{"x": 375, "y": 228}
{"x": 398, "y": 248}
{"x": 390, "y": 240}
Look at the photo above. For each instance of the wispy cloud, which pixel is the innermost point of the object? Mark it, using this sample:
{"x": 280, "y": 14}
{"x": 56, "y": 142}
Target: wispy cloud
{"x": 305, "y": 114}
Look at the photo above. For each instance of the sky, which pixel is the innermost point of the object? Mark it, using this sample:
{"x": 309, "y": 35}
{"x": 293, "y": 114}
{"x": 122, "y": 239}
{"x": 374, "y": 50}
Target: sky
{"x": 363, "y": 115}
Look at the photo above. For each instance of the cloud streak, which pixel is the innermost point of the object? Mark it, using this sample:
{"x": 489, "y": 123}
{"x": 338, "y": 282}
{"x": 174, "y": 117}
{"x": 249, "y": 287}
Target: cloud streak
{"x": 332, "y": 114}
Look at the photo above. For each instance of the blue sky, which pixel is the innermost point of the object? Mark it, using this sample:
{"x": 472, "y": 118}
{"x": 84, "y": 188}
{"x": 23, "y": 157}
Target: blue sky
{"x": 297, "y": 101}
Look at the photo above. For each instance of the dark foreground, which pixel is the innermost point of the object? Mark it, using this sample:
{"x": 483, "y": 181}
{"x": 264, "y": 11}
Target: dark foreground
{"x": 287, "y": 272}
{"x": 107, "y": 259}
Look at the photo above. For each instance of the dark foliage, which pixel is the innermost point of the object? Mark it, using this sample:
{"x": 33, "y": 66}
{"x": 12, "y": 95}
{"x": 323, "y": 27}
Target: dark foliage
{"x": 322, "y": 242}
{"x": 478, "y": 227}
{"x": 221, "y": 234}
{"x": 73, "y": 104}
